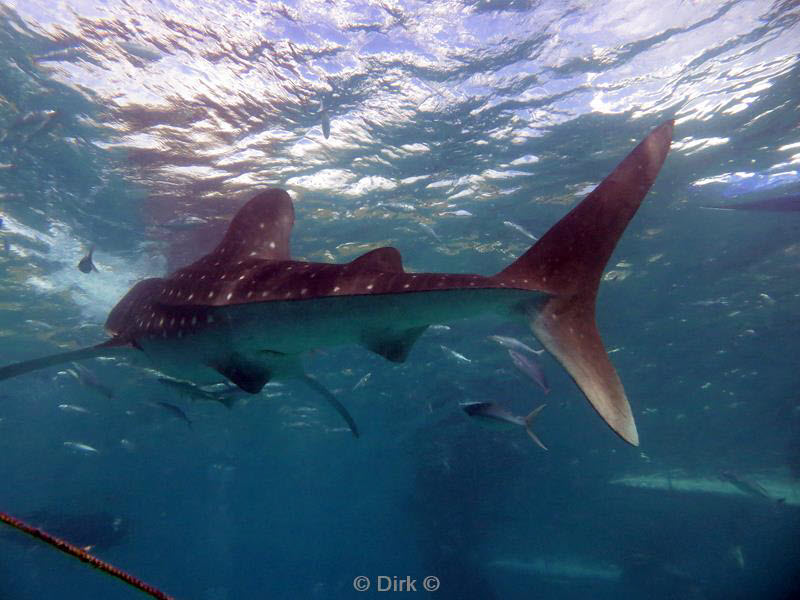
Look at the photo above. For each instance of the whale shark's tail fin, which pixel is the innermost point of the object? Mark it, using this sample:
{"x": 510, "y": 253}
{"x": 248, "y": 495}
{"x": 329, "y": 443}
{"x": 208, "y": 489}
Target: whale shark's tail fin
{"x": 110, "y": 348}
{"x": 568, "y": 262}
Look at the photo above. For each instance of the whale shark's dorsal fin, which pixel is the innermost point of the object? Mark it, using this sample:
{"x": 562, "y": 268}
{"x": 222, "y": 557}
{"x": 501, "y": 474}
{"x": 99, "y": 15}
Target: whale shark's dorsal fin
{"x": 381, "y": 259}
{"x": 261, "y": 229}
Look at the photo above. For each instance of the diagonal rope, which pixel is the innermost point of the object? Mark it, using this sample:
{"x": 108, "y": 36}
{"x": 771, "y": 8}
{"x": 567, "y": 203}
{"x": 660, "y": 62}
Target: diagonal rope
{"x": 84, "y": 556}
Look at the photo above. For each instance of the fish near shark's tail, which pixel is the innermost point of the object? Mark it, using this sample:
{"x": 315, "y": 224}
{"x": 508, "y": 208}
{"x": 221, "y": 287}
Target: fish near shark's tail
{"x": 567, "y": 264}
{"x": 109, "y": 348}
{"x": 529, "y": 421}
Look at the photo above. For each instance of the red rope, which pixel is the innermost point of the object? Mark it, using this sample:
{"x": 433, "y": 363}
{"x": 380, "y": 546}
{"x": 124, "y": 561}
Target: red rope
{"x": 84, "y": 556}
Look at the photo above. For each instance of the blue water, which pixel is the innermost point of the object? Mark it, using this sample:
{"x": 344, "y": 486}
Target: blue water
{"x": 138, "y": 128}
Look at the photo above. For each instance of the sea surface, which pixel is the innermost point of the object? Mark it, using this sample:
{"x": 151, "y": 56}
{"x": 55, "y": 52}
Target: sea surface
{"x": 458, "y": 132}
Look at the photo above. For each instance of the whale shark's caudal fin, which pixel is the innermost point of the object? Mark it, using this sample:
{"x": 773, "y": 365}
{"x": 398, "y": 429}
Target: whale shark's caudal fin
{"x": 110, "y": 348}
{"x": 567, "y": 263}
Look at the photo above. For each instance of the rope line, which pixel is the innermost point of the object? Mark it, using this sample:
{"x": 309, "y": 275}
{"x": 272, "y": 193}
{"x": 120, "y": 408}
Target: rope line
{"x": 84, "y": 556}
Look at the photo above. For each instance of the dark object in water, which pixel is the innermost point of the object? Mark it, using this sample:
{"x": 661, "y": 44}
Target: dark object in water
{"x": 86, "y": 265}
{"x": 248, "y": 313}
{"x": 779, "y": 204}
{"x": 326, "y": 120}
{"x": 83, "y": 556}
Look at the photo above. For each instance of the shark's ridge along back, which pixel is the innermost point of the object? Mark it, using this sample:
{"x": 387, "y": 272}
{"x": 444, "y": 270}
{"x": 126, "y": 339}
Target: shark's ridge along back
{"x": 247, "y": 312}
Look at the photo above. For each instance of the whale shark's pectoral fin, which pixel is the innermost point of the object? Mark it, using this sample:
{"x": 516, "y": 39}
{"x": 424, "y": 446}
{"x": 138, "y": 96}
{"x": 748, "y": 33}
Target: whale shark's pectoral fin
{"x": 332, "y": 400}
{"x": 246, "y": 374}
{"x": 392, "y": 345}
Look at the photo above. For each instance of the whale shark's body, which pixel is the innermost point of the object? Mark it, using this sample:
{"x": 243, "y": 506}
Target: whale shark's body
{"x": 248, "y": 312}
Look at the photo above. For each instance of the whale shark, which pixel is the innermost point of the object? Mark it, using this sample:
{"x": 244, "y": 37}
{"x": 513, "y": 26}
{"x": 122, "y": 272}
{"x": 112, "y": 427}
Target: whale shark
{"x": 247, "y": 312}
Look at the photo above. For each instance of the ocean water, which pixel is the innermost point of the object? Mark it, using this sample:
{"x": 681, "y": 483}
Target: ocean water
{"x": 139, "y": 128}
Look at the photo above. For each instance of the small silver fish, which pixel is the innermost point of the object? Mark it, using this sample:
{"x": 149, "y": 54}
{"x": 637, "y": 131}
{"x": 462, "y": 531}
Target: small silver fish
{"x": 194, "y": 392}
{"x": 531, "y": 368}
{"x": 493, "y": 415}
{"x": 175, "y": 410}
{"x": 454, "y": 354}
{"x": 521, "y": 229}
{"x": 362, "y": 382}
{"x": 88, "y": 379}
{"x": 398, "y": 206}
{"x": 81, "y": 447}
{"x": 513, "y": 344}
{"x": 429, "y": 230}
{"x": 72, "y": 408}
{"x": 456, "y": 213}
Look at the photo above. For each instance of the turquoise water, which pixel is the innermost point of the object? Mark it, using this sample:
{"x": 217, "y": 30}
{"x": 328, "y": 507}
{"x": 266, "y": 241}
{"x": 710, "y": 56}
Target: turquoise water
{"x": 140, "y": 129}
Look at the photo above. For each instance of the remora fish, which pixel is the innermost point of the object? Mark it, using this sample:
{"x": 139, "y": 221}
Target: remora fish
{"x": 531, "y": 368}
{"x": 494, "y": 415}
{"x": 248, "y": 312}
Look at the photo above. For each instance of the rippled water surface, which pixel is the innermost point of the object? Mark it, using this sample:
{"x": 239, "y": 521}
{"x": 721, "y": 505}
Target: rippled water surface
{"x": 458, "y": 132}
